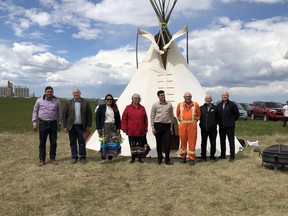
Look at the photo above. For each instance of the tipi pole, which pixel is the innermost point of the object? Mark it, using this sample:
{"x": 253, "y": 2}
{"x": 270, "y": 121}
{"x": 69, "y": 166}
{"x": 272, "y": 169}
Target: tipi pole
{"x": 187, "y": 57}
{"x": 169, "y": 14}
{"x": 137, "y": 48}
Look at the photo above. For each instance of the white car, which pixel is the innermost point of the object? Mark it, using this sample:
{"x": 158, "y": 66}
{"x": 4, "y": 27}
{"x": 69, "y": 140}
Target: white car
{"x": 102, "y": 101}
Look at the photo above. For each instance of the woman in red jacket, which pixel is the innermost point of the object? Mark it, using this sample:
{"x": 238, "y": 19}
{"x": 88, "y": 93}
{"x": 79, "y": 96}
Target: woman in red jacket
{"x": 135, "y": 124}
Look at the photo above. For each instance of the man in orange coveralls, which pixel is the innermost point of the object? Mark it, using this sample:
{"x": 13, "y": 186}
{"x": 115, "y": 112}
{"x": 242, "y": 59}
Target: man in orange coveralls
{"x": 188, "y": 113}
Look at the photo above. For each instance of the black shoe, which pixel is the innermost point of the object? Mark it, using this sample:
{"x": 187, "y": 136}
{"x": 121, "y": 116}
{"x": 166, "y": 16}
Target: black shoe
{"x": 83, "y": 161}
{"x": 168, "y": 163}
{"x": 140, "y": 160}
{"x": 191, "y": 162}
{"x": 53, "y": 162}
{"x": 183, "y": 160}
{"x": 159, "y": 162}
{"x": 212, "y": 159}
{"x": 202, "y": 160}
{"x": 222, "y": 157}
{"x": 41, "y": 163}
{"x": 231, "y": 159}
{"x": 73, "y": 161}
{"x": 132, "y": 160}
{"x": 110, "y": 157}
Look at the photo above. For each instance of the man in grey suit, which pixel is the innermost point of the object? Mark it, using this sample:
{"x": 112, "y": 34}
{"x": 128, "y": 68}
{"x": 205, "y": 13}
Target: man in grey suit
{"x": 77, "y": 120}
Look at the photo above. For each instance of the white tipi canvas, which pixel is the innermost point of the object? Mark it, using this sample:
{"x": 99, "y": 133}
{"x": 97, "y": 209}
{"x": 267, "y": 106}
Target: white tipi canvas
{"x": 173, "y": 76}
{"x": 175, "y": 81}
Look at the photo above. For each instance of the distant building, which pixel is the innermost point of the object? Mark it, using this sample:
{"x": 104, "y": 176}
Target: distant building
{"x": 6, "y": 92}
{"x": 13, "y": 91}
{"x": 20, "y": 91}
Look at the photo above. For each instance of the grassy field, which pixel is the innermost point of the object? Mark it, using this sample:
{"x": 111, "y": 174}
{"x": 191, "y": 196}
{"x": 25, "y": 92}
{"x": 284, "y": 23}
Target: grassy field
{"x": 244, "y": 187}
{"x": 16, "y": 113}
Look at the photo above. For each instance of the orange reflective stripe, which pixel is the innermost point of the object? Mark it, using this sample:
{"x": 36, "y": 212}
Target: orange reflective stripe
{"x": 192, "y": 114}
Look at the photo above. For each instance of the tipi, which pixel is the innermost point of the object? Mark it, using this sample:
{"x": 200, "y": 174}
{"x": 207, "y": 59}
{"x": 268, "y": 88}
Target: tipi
{"x": 162, "y": 68}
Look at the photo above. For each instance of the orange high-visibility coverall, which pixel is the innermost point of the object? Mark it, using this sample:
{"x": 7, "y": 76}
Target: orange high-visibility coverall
{"x": 188, "y": 117}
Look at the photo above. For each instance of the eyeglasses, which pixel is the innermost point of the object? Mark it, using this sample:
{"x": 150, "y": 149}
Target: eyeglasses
{"x": 136, "y": 98}
{"x": 109, "y": 99}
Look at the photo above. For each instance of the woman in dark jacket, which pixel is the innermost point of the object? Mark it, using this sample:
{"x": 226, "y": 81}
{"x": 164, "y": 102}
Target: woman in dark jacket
{"x": 108, "y": 125}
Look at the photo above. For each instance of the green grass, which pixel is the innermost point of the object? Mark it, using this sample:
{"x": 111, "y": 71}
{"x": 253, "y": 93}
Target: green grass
{"x": 16, "y": 113}
{"x": 259, "y": 127}
{"x": 244, "y": 187}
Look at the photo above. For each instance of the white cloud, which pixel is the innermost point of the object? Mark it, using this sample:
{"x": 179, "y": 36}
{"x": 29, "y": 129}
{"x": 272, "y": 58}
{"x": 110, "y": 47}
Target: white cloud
{"x": 233, "y": 54}
{"x": 256, "y": 1}
{"x": 86, "y": 16}
{"x": 86, "y": 33}
{"x": 241, "y": 56}
{"x": 28, "y": 63}
{"x": 266, "y": 1}
{"x": 38, "y": 17}
{"x": 108, "y": 67}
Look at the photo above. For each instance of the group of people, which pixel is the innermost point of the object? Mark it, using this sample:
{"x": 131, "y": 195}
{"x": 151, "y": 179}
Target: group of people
{"x": 77, "y": 121}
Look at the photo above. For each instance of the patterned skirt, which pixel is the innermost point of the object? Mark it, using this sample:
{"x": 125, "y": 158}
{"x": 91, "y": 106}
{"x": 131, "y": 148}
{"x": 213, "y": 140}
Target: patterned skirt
{"x": 110, "y": 142}
{"x": 138, "y": 146}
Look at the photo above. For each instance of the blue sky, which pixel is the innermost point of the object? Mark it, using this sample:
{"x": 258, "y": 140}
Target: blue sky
{"x": 235, "y": 45}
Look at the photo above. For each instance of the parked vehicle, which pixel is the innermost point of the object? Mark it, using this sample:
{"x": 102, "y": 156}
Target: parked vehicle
{"x": 267, "y": 110}
{"x": 242, "y": 111}
{"x": 247, "y": 107}
{"x": 102, "y": 101}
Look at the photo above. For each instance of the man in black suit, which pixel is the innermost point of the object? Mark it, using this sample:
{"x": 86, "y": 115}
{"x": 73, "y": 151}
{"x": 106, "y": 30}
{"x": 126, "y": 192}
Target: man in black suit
{"x": 229, "y": 114}
{"x": 208, "y": 123}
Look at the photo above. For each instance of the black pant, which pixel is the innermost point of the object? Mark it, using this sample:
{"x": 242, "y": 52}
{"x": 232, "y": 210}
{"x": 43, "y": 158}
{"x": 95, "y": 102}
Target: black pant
{"x": 284, "y": 121}
{"x": 230, "y": 132}
{"x": 212, "y": 134}
{"x": 47, "y": 128}
{"x": 163, "y": 137}
{"x": 76, "y": 133}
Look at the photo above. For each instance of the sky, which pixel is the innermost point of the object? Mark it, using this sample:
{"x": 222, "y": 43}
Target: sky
{"x": 240, "y": 46}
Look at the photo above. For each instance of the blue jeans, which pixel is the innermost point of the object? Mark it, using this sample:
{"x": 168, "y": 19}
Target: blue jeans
{"x": 47, "y": 128}
{"x": 76, "y": 133}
